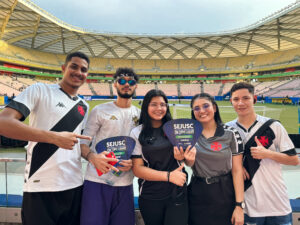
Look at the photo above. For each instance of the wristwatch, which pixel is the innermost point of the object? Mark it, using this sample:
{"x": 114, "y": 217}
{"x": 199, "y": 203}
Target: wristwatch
{"x": 240, "y": 204}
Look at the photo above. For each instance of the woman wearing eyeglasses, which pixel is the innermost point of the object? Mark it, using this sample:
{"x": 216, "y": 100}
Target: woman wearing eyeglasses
{"x": 162, "y": 199}
{"x": 216, "y": 190}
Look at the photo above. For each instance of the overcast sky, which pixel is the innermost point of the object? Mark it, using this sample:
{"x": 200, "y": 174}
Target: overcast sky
{"x": 161, "y": 16}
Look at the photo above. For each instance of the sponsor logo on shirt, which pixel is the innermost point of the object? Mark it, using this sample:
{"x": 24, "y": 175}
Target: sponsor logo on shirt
{"x": 60, "y": 104}
{"x": 216, "y": 146}
{"x": 135, "y": 120}
{"x": 113, "y": 118}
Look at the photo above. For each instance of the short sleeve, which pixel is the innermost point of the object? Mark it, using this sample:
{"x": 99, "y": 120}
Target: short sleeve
{"x": 282, "y": 140}
{"x": 26, "y": 101}
{"x": 137, "y": 151}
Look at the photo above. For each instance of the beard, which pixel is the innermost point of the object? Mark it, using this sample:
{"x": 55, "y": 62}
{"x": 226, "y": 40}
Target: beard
{"x": 126, "y": 95}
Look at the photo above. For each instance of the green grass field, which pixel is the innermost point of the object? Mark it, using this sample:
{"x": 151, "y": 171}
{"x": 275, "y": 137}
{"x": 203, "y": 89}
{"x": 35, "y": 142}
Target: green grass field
{"x": 286, "y": 114}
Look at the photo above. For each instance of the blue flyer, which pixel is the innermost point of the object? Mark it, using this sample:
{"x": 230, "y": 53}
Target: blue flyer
{"x": 183, "y": 132}
{"x": 121, "y": 146}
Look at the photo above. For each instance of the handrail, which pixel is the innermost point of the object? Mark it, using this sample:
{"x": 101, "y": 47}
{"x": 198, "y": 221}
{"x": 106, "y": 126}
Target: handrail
{"x": 12, "y": 160}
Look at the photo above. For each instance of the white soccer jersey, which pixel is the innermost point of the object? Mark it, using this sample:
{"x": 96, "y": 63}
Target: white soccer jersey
{"x": 267, "y": 196}
{"x": 49, "y": 168}
{"x": 108, "y": 120}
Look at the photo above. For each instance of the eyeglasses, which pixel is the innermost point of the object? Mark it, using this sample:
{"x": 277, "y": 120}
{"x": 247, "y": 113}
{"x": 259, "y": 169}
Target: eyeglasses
{"x": 156, "y": 105}
{"x": 205, "y": 107}
{"x": 122, "y": 81}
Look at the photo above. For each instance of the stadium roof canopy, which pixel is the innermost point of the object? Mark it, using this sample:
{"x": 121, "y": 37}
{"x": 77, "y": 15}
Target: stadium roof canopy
{"x": 26, "y": 25}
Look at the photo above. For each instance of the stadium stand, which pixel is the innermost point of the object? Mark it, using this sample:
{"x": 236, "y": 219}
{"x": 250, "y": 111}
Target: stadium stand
{"x": 212, "y": 89}
{"x": 215, "y": 63}
{"x": 191, "y": 64}
{"x": 85, "y": 90}
{"x": 169, "y": 89}
{"x": 142, "y": 89}
{"x": 116, "y": 63}
{"x": 167, "y": 64}
{"x": 143, "y": 65}
{"x": 240, "y": 62}
{"x": 290, "y": 88}
{"x": 190, "y": 89}
{"x": 266, "y": 59}
{"x": 101, "y": 88}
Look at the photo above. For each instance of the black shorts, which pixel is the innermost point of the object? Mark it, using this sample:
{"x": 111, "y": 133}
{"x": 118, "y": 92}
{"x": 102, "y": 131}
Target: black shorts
{"x": 52, "y": 208}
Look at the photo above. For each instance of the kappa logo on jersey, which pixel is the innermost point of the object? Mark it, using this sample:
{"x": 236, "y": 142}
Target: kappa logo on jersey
{"x": 135, "y": 120}
{"x": 60, "y": 104}
{"x": 216, "y": 146}
{"x": 81, "y": 110}
{"x": 113, "y": 118}
{"x": 264, "y": 140}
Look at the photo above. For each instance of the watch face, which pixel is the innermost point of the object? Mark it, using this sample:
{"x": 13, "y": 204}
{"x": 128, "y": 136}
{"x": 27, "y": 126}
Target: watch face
{"x": 243, "y": 205}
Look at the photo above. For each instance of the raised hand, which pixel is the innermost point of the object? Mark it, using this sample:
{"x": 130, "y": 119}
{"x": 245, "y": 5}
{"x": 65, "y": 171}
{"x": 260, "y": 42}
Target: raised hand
{"x": 177, "y": 176}
{"x": 259, "y": 152}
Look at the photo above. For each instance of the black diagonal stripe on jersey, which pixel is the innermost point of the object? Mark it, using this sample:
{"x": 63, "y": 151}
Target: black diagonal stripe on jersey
{"x": 251, "y": 164}
{"x": 43, "y": 151}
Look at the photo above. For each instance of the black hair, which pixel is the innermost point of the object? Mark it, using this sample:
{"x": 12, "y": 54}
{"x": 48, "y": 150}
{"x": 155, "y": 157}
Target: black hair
{"x": 77, "y": 54}
{"x": 210, "y": 98}
{"x": 242, "y": 85}
{"x": 124, "y": 71}
{"x": 145, "y": 120}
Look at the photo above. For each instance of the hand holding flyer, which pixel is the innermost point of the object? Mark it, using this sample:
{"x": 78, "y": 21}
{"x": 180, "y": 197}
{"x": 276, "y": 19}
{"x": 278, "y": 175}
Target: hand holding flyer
{"x": 119, "y": 147}
{"x": 183, "y": 132}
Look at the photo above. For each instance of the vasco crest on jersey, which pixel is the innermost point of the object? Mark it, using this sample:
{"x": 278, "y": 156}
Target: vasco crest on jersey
{"x": 81, "y": 109}
{"x": 266, "y": 139}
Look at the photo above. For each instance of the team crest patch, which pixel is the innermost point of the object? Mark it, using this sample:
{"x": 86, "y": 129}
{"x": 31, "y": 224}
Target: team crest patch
{"x": 135, "y": 120}
{"x": 113, "y": 118}
{"x": 264, "y": 140}
{"x": 216, "y": 146}
{"x": 81, "y": 110}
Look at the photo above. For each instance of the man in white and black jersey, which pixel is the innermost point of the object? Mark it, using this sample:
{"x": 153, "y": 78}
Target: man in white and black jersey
{"x": 53, "y": 177}
{"x": 108, "y": 199}
{"x": 267, "y": 146}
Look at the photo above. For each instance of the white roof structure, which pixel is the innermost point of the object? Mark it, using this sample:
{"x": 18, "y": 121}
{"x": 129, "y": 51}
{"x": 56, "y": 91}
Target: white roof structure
{"x": 26, "y": 25}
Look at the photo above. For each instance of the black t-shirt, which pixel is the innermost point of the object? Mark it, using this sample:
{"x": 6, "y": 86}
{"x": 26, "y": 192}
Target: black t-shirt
{"x": 157, "y": 154}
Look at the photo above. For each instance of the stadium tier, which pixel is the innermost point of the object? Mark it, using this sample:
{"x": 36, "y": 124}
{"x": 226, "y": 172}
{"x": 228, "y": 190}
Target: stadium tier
{"x": 50, "y": 61}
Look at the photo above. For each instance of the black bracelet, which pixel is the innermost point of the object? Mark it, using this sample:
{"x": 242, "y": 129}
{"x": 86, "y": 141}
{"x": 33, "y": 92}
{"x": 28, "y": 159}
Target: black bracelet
{"x": 168, "y": 176}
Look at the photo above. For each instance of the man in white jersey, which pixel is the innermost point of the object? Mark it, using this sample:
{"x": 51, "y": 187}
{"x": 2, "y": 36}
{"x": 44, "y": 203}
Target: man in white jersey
{"x": 108, "y": 199}
{"x": 53, "y": 178}
{"x": 266, "y": 148}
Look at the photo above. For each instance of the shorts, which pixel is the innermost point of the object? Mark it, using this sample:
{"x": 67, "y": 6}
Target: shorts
{"x": 103, "y": 204}
{"x": 52, "y": 208}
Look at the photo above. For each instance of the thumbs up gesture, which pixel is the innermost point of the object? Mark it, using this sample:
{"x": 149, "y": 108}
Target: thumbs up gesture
{"x": 177, "y": 176}
{"x": 259, "y": 152}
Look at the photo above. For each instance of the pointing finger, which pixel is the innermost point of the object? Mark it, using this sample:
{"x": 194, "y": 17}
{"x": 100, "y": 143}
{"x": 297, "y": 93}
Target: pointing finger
{"x": 83, "y": 137}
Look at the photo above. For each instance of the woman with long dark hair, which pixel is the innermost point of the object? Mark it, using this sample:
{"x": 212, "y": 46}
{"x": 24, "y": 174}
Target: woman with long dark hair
{"x": 216, "y": 190}
{"x": 162, "y": 199}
